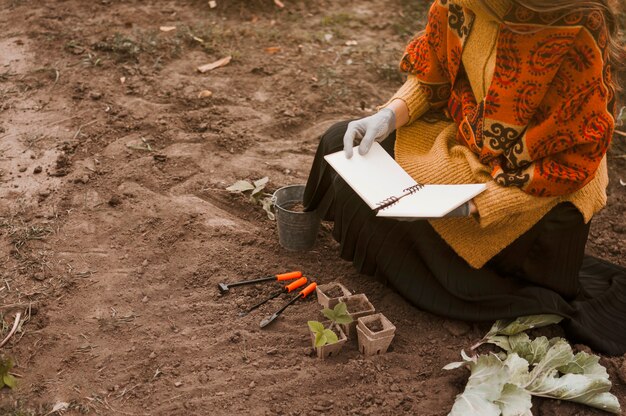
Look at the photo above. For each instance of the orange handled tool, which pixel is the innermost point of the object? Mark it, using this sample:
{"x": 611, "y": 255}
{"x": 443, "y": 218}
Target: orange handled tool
{"x": 303, "y": 294}
{"x": 289, "y": 288}
{"x": 225, "y": 287}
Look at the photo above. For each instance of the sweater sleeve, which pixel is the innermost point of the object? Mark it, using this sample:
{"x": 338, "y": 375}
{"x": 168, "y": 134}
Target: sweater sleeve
{"x": 413, "y": 96}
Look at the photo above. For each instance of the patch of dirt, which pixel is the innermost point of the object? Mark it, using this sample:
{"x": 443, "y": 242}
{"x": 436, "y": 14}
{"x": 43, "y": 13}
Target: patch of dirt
{"x": 116, "y": 225}
{"x": 375, "y": 326}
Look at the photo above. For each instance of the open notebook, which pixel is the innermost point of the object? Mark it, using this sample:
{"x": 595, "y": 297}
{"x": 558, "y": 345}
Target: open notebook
{"x": 385, "y": 187}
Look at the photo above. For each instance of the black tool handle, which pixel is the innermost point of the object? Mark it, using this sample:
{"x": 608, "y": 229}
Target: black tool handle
{"x": 250, "y": 282}
{"x": 274, "y": 295}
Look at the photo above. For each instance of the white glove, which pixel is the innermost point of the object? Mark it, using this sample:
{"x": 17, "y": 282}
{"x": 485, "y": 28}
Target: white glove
{"x": 369, "y": 129}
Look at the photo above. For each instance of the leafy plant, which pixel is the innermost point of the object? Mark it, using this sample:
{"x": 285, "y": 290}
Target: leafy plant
{"x": 256, "y": 192}
{"x": 6, "y": 379}
{"x": 323, "y": 336}
{"x": 337, "y": 315}
{"x": 503, "y": 384}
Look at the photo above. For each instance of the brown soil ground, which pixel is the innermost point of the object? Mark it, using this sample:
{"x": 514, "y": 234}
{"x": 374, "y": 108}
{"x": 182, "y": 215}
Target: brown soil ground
{"x": 116, "y": 225}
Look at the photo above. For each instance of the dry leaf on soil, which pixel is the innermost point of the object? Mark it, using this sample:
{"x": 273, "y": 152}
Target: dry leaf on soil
{"x": 167, "y": 28}
{"x": 273, "y": 50}
{"x": 213, "y": 65}
{"x": 279, "y": 3}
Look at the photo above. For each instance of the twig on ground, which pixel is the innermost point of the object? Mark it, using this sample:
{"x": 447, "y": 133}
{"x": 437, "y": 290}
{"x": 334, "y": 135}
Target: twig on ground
{"x": 81, "y": 126}
{"x": 15, "y": 306}
{"x": 18, "y": 316}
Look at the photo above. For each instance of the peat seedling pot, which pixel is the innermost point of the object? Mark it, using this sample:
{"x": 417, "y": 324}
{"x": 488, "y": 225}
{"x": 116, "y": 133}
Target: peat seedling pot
{"x": 358, "y": 306}
{"x": 375, "y": 333}
{"x": 330, "y": 350}
{"x": 297, "y": 230}
{"x": 328, "y": 294}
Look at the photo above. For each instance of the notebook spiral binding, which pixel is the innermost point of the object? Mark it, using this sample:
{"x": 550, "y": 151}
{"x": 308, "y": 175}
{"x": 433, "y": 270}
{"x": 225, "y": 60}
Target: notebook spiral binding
{"x": 385, "y": 203}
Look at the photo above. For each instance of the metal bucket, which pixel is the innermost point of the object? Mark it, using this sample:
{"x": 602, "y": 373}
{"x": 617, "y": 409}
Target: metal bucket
{"x": 297, "y": 231}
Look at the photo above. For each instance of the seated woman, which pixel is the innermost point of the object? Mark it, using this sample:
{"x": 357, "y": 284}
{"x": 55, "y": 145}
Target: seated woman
{"x": 516, "y": 94}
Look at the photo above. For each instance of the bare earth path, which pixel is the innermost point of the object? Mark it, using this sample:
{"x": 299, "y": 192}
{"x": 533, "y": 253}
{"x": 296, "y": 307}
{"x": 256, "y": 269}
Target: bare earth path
{"x": 116, "y": 227}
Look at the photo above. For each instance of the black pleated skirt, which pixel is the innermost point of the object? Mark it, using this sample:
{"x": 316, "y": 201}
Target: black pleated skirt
{"x": 545, "y": 271}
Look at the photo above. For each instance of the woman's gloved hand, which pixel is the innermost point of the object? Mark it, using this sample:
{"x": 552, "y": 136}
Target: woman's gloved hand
{"x": 369, "y": 129}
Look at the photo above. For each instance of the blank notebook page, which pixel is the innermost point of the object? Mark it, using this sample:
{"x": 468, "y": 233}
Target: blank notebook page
{"x": 377, "y": 176}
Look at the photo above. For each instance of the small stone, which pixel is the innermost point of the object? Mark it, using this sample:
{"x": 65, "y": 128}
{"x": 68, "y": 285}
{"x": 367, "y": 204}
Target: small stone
{"x": 145, "y": 299}
{"x": 82, "y": 179}
{"x": 205, "y": 94}
{"x": 39, "y": 277}
{"x": 145, "y": 263}
{"x": 22, "y": 169}
{"x": 37, "y": 170}
{"x": 115, "y": 201}
{"x": 456, "y": 328}
{"x": 95, "y": 95}
{"x": 619, "y": 228}
{"x": 152, "y": 354}
{"x": 273, "y": 351}
{"x": 220, "y": 393}
{"x": 252, "y": 384}
{"x": 178, "y": 384}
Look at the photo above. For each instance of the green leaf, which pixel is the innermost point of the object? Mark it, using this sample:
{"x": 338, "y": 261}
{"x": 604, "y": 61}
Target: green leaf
{"x": 341, "y": 313}
{"x": 514, "y": 401}
{"x": 320, "y": 339}
{"x": 473, "y": 404}
{"x": 329, "y": 314}
{"x": 518, "y": 369}
{"x": 604, "y": 401}
{"x": 501, "y": 341}
{"x": 466, "y": 362}
{"x": 9, "y": 381}
{"x": 455, "y": 365}
{"x": 240, "y": 186}
{"x": 259, "y": 185}
{"x": 343, "y": 319}
{"x": 560, "y": 354}
{"x": 489, "y": 375}
{"x": 586, "y": 364}
{"x": 524, "y": 323}
{"x": 532, "y": 351}
{"x": 540, "y": 367}
{"x": 316, "y": 326}
{"x": 331, "y": 337}
{"x": 341, "y": 308}
{"x": 592, "y": 389}
{"x": 267, "y": 205}
{"x": 577, "y": 388}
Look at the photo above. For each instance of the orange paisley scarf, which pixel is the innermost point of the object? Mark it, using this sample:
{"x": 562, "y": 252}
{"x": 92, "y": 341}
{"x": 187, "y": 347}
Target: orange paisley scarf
{"x": 547, "y": 119}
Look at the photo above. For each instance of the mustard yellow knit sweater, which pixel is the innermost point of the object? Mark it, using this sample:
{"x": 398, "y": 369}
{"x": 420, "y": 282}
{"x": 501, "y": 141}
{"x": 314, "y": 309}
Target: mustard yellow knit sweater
{"x": 429, "y": 152}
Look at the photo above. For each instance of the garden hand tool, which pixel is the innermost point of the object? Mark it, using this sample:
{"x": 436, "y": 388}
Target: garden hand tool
{"x": 288, "y": 289}
{"x": 225, "y": 287}
{"x": 303, "y": 294}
